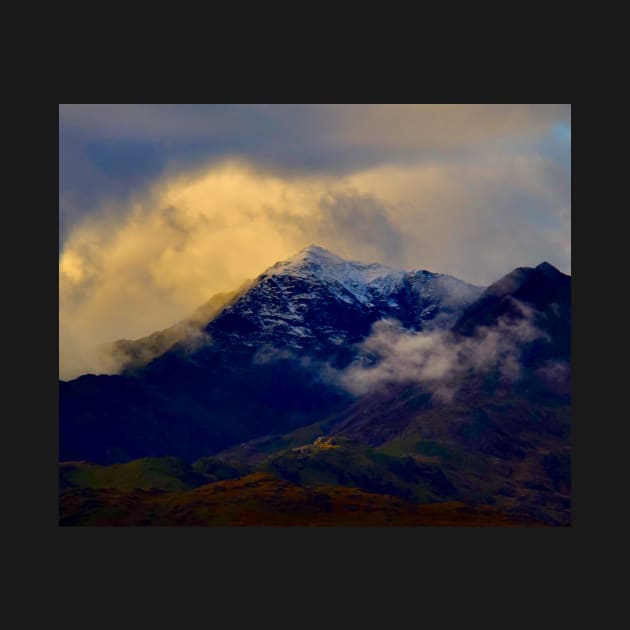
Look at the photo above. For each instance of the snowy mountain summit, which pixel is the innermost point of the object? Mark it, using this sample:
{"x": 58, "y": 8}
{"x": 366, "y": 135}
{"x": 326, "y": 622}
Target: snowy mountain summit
{"x": 314, "y": 302}
{"x": 353, "y": 279}
{"x": 317, "y": 301}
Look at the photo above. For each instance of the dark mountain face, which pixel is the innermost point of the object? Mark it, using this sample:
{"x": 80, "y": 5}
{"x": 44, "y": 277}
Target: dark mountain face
{"x": 247, "y": 379}
{"x": 258, "y": 373}
{"x": 538, "y": 298}
{"x": 253, "y": 374}
{"x": 545, "y": 293}
{"x": 186, "y": 409}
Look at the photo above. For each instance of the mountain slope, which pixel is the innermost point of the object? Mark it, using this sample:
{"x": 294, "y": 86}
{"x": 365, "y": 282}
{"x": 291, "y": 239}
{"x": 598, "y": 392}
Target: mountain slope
{"x": 257, "y": 368}
{"x": 508, "y": 441}
{"x": 505, "y": 442}
{"x": 126, "y": 354}
{"x": 546, "y": 294}
{"x": 339, "y": 461}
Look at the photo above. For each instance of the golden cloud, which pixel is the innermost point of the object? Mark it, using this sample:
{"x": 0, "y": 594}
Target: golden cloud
{"x": 125, "y": 274}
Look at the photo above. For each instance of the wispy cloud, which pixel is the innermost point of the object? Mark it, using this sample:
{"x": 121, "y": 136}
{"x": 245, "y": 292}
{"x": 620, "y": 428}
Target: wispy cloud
{"x": 438, "y": 359}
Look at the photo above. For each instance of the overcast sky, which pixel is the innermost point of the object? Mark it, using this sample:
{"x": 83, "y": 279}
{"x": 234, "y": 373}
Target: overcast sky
{"x": 163, "y": 205}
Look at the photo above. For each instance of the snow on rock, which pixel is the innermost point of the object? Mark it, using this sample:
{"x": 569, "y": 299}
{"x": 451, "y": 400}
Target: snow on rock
{"x": 317, "y": 299}
{"x": 362, "y": 281}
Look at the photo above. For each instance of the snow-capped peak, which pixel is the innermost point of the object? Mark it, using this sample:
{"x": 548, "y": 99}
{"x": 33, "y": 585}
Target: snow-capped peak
{"x": 360, "y": 279}
{"x": 318, "y": 300}
{"x": 316, "y": 252}
{"x": 311, "y": 255}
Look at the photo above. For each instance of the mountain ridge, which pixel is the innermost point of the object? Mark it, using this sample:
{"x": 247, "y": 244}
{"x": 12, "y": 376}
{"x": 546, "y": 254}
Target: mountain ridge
{"x": 251, "y": 379}
{"x": 396, "y": 287}
{"x": 258, "y": 387}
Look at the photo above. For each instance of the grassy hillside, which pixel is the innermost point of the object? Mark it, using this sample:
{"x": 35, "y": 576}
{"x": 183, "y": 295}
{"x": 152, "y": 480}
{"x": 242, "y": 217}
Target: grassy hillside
{"x": 149, "y": 473}
{"x": 496, "y": 449}
{"x": 262, "y": 499}
{"x": 435, "y": 459}
{"x": 256, "y": 452}
{"x": 339, "y": 461}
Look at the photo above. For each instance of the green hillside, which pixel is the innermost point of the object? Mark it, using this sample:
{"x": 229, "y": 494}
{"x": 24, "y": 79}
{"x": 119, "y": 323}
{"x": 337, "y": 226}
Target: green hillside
{"x": 161, "y": 473}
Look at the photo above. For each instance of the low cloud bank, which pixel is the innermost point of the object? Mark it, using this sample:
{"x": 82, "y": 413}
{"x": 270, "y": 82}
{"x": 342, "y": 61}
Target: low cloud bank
{"x": 438, "y": 359}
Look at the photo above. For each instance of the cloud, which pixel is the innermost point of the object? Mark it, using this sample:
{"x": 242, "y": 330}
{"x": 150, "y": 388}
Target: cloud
{"x": 360, "y": 225}
{"x": 141, "y": 266}
{"x": 126, "y": 274}
{"x": 270, "y": 354}
{"x": 478, "y": 219}
{"x": 437, "y": 359}
{"x": 557, "y": 376}
{"x": 352, "y": 223}
{"x": 420, "y": 126}
{"x": 108, "y": 151}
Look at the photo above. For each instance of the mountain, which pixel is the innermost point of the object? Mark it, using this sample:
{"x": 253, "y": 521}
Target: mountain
{"x": 128, "y": 355}
{"x": 315, "y": 301}
{"x": 544, "y": 291}
{"x": 504, "y": 442}
{"x": 248, "y": 370}
{"x": 250, "y": 389}
{"x": 318, "y": 302}
{"x": 531, "y": 299}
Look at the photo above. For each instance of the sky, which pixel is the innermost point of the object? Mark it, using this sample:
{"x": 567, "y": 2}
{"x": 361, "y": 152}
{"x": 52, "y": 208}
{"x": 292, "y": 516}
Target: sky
{"x": 162, "y": 206}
